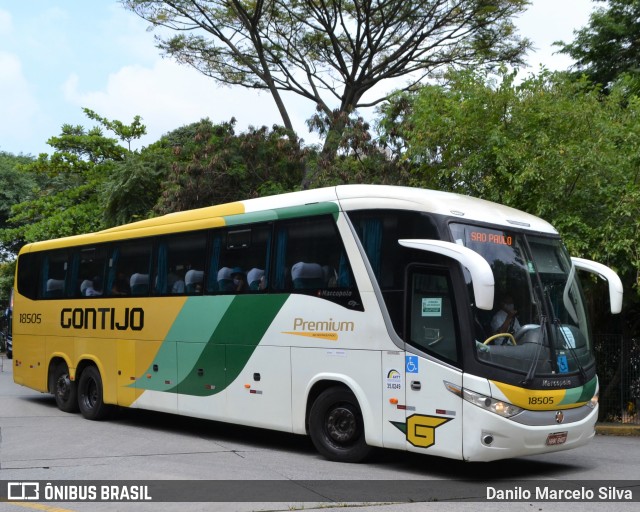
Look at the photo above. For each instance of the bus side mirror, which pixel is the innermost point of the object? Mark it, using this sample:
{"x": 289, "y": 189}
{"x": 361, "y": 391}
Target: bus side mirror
{"x": 481, "y": 273}
{"x": 604, "y": 272}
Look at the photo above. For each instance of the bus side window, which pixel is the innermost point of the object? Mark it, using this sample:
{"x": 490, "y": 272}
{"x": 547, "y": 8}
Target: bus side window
{"x": 239, "y": 259}
{"x": 129, "y": 269}
{"x": 180, "y": 262}
{"x": 53, "y": 275}
{"x": 88, "y": 271}
{"x": 28, "y": 269}
{"x": 309, "y": 255}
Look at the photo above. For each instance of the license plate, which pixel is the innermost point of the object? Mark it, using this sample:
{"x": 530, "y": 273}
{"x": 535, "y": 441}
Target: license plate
{"x": 556, "y": 438}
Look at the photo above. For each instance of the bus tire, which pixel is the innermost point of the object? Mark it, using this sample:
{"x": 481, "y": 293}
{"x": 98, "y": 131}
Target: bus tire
{"x": 64, "y": 389}
{"x": 336, "y": 426}
{"x": 90, "y": 395}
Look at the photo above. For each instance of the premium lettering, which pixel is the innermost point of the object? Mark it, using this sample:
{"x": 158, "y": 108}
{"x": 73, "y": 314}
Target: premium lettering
{"x": 300, "y": 324}
{"x": 102, "y": 319}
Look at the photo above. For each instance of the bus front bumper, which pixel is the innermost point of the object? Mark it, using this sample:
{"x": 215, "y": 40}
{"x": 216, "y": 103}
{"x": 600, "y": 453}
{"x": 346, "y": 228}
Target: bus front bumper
{"x": 488, "y": 436}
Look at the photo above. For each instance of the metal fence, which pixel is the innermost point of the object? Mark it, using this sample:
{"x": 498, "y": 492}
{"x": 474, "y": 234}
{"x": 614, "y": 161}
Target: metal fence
{"x": 618, "y": 366}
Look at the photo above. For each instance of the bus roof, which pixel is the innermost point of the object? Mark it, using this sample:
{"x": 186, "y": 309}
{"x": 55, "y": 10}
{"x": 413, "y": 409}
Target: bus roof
{"x": 348, "y": 197}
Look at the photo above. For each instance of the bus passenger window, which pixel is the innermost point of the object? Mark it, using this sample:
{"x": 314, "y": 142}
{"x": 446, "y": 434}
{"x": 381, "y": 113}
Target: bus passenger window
{"x": 180, "y": 262}
{"x": 27, "y": 275}
{"x": 89, "y": 271}
{"x": 310, "y": 259}
{"x": 53, "y": 275}
{"x": 310, "y": 256}
{"x": 128, "y": 269}
{"x": 239, "y": 257}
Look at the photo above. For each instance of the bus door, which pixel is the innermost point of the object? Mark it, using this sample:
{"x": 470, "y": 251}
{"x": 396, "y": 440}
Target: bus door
{"x": 433, "y": 414}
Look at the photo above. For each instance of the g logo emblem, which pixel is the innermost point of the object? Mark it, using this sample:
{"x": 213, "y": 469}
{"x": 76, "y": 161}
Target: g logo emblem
{"x": 421, "y": 430}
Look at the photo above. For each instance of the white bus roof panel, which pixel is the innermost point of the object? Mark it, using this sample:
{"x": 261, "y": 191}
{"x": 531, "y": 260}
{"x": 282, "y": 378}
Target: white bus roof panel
{"x": 360, "y": 197}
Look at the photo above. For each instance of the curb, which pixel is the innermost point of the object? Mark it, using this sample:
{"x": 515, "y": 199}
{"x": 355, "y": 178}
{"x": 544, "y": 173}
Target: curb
{"x": 617, "y": 429}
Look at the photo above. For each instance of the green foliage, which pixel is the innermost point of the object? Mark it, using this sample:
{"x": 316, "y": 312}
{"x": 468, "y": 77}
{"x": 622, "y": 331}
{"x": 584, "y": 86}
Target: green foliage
{"x": 7, "y": 273}
{"x": 215, "y": 165}
{"x": 125, "y": 132}
{"x": 335, "y": 52}
{"x": 15, "y": 187}
{"x": 608, "y": 46}
{"x": 68, "y": 199}
{"x": 554, "y": 147}
{"x": 135, "y": 185}
{"x": 360, "y": 158}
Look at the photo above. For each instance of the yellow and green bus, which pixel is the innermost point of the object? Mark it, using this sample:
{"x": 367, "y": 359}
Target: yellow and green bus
{"x": 363, "y": 316}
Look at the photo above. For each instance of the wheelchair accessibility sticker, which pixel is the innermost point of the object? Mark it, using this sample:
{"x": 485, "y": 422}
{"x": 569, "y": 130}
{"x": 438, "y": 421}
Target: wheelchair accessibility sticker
{"x": 563, "y": 364}
{"x": 412, "y": 364}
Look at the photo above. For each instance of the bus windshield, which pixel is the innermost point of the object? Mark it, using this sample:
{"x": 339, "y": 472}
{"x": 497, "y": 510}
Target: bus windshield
{"x": 539, "y": 323}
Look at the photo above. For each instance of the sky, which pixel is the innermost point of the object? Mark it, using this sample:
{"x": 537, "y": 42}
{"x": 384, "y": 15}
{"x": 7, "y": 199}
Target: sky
{"x": 58, "y": 56}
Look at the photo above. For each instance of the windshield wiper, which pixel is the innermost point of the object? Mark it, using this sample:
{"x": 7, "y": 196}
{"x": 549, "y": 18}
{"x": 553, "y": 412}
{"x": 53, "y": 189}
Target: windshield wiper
{"x": 534, "y": 364}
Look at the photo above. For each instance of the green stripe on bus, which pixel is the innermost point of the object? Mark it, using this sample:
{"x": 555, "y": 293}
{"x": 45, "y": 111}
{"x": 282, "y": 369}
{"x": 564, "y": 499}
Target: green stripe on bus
{"x": 207, "y": 368}
{"x": 307, "y": 210}
{"x": 250, "y": 218}
{"x": 199, "y": 318}
{"x": 580, "y": 394}
{"x": 292, "y": 212}
{"x": 196, "y": 321}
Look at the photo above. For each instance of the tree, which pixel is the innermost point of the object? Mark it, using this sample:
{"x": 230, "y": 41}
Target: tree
{"x": 608, "y": 46}
{"x": 551, "y": 146}
{"x": 215, "y": 165}
{"x": 134, "y": 185}
{"x": 333, "y": 53}
{"x": 70, "y": 200}
{"x": 15, "y": 187}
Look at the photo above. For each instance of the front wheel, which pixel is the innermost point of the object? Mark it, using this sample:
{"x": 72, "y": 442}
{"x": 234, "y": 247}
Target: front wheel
{"x": 336, "y": 426}
{"x": 90, "y": 395}
{"x": 64, "y": 389}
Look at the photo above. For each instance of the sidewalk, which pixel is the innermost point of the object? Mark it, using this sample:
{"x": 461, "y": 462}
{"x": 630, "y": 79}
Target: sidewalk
{"x": 617, "y": 429}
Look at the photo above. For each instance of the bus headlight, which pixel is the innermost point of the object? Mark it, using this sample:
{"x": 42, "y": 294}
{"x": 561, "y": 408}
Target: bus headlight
{"x": 499, "y": 407}
{"x": 593, "y": 403}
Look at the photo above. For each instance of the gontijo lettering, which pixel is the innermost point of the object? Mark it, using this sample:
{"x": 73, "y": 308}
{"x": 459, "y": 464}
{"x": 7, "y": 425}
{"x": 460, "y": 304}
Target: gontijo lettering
{"x": 102, "y": 319}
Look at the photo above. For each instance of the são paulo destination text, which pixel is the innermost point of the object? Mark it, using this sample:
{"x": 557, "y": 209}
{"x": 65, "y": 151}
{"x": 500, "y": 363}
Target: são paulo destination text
{"x": 544, "y": 493}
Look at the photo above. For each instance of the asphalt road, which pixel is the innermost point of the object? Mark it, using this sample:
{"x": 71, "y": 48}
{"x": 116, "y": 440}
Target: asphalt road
{"x": 39, "y": 443}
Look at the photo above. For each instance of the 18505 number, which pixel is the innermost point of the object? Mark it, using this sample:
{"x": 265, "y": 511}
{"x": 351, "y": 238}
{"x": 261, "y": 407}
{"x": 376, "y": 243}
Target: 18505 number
{"x": 30, "y": 318}
{"x": 541, "y": 400}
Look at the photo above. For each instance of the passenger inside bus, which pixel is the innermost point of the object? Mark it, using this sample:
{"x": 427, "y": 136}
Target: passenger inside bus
{"x": 91, "y": 287}
{"x": 120, "y": 285}
{"x": 255, "y": 279}
{"x": 307, "y": 275}
{"x": 193, "y": 282}
{"x": 239, "y": 279}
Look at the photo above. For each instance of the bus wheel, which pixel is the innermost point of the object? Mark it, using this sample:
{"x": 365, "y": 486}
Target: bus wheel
{"x": 90, "y": 395}
{"x": 336, "y": 427}
{"x": 64, "y": 389}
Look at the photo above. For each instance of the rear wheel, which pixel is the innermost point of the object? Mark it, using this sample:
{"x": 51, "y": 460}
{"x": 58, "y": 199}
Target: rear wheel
{"x": 90, "y": 395}
{"x": 336, "y": 426}
{"x": 64, "y": 389}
